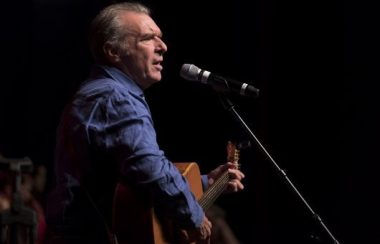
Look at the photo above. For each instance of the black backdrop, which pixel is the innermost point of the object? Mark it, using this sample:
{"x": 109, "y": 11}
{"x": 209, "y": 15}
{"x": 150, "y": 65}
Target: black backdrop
{"x": 315, "y": 63}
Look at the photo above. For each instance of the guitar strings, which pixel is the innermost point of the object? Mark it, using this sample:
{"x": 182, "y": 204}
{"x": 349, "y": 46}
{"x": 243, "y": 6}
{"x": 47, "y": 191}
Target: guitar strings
{"x": 214, "y": 191}
{"x": 220, "y": 184}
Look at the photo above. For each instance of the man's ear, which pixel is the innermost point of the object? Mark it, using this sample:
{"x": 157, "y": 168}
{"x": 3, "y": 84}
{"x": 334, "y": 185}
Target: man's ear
{"x": 111, "y": 53}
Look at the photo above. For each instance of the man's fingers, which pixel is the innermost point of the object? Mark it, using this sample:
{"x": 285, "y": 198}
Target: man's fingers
{"x": 235, "y": 186}
{"x": 236, "y": 174}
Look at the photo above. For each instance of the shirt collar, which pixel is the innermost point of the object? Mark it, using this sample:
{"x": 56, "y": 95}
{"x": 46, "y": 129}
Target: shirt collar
{"x": 119, "y": 76}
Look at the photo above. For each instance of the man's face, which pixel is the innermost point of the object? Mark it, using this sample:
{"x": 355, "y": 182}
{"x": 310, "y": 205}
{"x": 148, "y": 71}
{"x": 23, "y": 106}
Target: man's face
{"x": 142, "y": 60}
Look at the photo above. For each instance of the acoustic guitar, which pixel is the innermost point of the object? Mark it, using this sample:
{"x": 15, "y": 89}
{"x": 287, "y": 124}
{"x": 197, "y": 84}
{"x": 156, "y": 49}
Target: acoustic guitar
{"x": 135, "y": 219}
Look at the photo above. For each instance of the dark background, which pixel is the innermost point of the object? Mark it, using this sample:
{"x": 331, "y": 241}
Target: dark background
{"x": 316, "y": 64}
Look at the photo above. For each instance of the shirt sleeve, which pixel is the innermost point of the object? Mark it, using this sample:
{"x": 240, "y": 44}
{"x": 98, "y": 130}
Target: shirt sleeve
{"x": 123, "y": 125}
{"x": 204, "y": 182}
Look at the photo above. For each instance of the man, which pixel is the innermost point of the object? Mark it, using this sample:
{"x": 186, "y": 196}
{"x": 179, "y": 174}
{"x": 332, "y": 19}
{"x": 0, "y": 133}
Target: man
{"x": 106, "y": 135}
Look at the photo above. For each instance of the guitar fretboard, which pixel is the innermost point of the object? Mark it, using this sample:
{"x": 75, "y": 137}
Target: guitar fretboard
{"x": 214, "y": 191}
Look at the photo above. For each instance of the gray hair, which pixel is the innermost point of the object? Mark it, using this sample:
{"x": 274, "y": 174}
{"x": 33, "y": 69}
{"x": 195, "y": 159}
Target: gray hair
{"x": 107, "y": 28}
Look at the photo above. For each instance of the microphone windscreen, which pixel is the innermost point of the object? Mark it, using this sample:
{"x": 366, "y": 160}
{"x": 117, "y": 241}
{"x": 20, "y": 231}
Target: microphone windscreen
{"x": 190, "y": 72}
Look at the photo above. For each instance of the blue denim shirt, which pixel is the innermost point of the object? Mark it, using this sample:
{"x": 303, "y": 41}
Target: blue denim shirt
{"x": 107, "y": 132}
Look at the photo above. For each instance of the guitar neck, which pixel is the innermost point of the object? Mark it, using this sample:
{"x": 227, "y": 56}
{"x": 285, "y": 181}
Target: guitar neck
{"x": 214, "y": 191}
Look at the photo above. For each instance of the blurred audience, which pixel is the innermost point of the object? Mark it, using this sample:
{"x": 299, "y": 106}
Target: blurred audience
{"x": 31, "y": 190}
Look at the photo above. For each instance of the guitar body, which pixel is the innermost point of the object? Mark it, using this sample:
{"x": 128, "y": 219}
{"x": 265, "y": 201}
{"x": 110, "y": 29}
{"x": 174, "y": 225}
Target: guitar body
{"x": 134, "y": 219}
{"x": 192, "y": 174}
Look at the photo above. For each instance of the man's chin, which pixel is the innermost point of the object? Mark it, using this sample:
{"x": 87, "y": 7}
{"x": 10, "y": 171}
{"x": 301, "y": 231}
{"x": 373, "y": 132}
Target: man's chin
{"x": 156, "y": 78}
{"x": 152, "y": 81}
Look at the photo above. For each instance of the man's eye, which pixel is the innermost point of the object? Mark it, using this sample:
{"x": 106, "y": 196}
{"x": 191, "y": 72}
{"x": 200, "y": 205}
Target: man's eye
{"x": 147, "y": 38}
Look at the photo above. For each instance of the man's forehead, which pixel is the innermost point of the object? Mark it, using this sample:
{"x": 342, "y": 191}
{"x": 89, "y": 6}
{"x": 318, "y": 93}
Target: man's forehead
{"x": 140, "y": 23}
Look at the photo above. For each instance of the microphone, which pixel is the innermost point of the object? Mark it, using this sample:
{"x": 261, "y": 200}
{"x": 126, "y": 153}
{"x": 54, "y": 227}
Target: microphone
{"x": 193, "y": 73}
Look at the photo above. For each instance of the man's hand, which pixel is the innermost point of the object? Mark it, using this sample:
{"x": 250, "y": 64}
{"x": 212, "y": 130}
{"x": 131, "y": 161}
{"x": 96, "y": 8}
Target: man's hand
{"x": 204, "y": 231}
{"x": 200, "y": 235}
{"x": 236, "y": 176}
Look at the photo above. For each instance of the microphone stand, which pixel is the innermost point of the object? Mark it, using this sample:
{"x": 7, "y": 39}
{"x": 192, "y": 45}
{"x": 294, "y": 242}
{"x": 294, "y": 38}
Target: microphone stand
{"x": 229, "y": 106}
{"x": 12, "y": 220}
